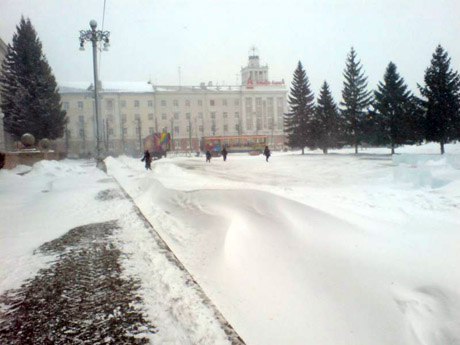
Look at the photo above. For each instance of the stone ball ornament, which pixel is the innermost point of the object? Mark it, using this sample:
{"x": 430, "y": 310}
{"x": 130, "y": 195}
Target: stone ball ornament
{"x": 28, "y": 140}
{"x": 44, "y": 144}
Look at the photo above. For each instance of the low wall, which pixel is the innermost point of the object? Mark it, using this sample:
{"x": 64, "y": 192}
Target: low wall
{"x": 27, "y": 157}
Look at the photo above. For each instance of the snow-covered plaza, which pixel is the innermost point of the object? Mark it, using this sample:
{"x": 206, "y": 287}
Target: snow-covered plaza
{"x": 306, "y": 249}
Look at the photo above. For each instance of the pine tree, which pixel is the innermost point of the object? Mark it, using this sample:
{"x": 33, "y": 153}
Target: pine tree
{"x": 356, "y": 100}
{"x": 326, "y": 120}
{"x": 393, "y": 107}
{"x": 297, "y": 122}
{"x": 30, "y": 98}
{"x": 442, "y": 104}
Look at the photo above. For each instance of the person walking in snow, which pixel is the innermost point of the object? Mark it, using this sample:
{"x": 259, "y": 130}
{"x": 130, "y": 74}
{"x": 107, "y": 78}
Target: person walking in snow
{"x": 224, "y": 154}
{"x": 208, "y": 156}
{"x": 266, "y": 153}
{"x": 148, "y": 160}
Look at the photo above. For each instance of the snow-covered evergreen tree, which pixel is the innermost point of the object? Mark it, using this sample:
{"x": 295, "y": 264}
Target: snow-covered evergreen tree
{"x": 394, "y": 109}
{"x": 356, "y": 100}
{"x": 326, "y": 120}
{"x": 297, "y": 122}
{"x": 442, "y": 100}
{"x": 30, "y": 98}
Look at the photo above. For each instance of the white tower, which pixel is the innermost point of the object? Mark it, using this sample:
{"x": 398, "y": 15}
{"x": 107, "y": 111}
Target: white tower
{"x": 253, "y": 73}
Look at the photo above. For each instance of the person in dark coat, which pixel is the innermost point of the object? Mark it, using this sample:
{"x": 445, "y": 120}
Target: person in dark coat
{"x": 208, "y": 156}
{"x": 224, "y": 154}
{"x": 148, "y": 160}
{"x": 266, "y": 153}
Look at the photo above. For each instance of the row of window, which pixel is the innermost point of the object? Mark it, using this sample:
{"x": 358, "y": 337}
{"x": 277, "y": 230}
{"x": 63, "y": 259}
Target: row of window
{"x": 82, "y": 133}
{"x": 212, "y": 102}
{"x": 188, "y": 116}
{"x": 110, "y": 103}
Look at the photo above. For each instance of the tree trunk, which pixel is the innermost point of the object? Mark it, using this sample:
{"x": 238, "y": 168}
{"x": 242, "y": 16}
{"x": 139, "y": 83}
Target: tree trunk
{"x": 442, "y": 147}
{"x": 392, "y": 148}
{"x": 325, "y": 151}
{"x": 303, "y": 150}
{"x": 356, "y": 148}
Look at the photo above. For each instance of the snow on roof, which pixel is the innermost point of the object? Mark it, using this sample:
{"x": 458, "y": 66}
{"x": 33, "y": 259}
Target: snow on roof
{"x": 109, "y": 86}
{"x": 139, "y": 87}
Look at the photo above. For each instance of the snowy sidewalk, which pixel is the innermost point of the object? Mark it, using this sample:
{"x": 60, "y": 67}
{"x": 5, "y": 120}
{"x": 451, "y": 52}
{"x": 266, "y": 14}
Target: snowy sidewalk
{"x": 110, "y": 276}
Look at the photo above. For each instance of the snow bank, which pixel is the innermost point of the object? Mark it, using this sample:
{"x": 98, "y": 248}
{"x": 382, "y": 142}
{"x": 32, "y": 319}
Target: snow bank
{"x": 426, "y": 170}
{"x": 320, "y": 249}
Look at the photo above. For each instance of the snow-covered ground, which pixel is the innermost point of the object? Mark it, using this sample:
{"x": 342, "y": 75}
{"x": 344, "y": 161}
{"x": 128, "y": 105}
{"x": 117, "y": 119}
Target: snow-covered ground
{"x": 313, "y": 249}
{"x": 55, "y": 197}
{"x": 316, "y": 249}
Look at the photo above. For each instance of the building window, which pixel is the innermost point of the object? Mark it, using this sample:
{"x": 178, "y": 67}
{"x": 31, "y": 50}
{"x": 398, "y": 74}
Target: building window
{"x": 163, "y": 103}
{"x": 123, "y": 118}
{"x": 150, "y": 116}
{"x": 175, "y": 103}
{"x": 109, "y": 104}
{"x": 279, "y": 101}
{"x": 201, "y": 128}
{"x": 81, "y": 119}
{"x": 151, "y": 130}
{"x": 188, "y": 128}
{"x": 80, "y": 104}
{"x": 66, "y": 105}
{"x": 200, "y": 103}
{"x": 110, "y": 131}
{"x": 137, "y": 130}
{"x": 224, "y": 102}
{"x": 237, "y": 127}
{"x": 176, "y": 129}
{"x": 213, "y": 115}
{"x": 270, "y": 101}
{"x": 137, "y": 117}
{"x": 82, "y": 133}
{"x": 163, "y": 116}
{"x": 110, "y": 117}
{"x": 68, "y": 134}
{"x": 122, "y": 104}
{"x": 125, "y": 130}
{"x": 237, "y": 102}
{"x": 212, "y": 102}
{"x": 187, "y": 103}
{"x": 225, "y": 115}
{"x": 187, "y": 116}
{"x": 200, "y": 115}
{"x": 111, "y": 146}
{"x": 225, "y": 128}
{"x": 136, "y": 104}
{"x": 176, "y": 116}
{"x": 237, "y": 115}
{"x": 150, "y": 104}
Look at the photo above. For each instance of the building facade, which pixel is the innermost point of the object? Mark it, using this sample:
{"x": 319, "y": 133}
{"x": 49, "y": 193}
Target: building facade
{"x": 129, "y": 112}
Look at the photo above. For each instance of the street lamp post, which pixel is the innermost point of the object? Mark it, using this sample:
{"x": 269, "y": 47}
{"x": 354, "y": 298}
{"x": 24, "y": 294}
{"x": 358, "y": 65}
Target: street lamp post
{"x": 95, "y": 36}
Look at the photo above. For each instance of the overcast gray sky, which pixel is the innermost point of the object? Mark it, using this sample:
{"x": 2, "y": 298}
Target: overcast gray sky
{"x": 210, "y": 39}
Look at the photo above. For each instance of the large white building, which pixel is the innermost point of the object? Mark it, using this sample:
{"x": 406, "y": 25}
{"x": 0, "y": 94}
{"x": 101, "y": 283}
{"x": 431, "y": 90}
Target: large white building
{"x": 131, "y": 111}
